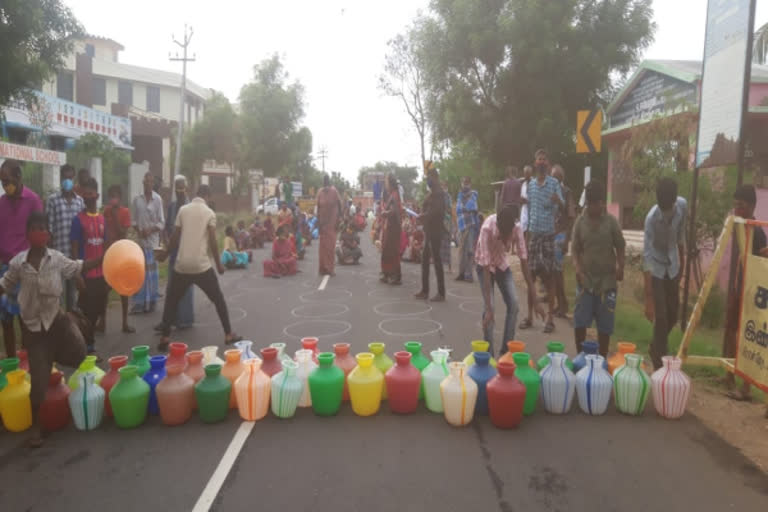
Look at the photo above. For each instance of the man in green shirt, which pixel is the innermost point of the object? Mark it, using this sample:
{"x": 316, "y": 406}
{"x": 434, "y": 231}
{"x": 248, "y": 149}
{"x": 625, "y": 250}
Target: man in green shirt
{"x": 288, "y": 192}
{"x": 598, "y": 258}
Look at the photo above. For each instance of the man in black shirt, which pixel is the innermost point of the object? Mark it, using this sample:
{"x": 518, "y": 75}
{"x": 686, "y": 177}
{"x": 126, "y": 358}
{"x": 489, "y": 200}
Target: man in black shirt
{"x": 744, "y": 202}
{"x": 432, "y": 216}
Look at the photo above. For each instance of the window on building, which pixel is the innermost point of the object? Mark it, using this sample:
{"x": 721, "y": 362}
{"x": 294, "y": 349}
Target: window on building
{"x": 90, "y": 50}
{"x": 218, "y": 184}
{"x": 125, "y": 93}
{"x": 65, "y": 86}
{"x": 153, "y": 99}
{"x": 99, "y": 91}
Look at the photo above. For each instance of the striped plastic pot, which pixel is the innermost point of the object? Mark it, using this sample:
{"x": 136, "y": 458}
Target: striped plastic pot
{"x": 252, "y": 390}
{"x": 87, "y": 403}
{"x": 286, "y": 390}
{"x": 631, "y": 386}
{"x": 671, "y": 388}
{"x": 558, "y": 385}
{"x": 593, "y": 386}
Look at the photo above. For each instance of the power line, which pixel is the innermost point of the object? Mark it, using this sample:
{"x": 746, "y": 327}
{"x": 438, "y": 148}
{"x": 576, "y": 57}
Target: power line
{"x": 184, "y": 59}
{"x": 322, "y": 155}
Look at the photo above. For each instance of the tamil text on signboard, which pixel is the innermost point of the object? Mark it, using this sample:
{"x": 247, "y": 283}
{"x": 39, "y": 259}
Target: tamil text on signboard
{"x": 752, "y": 355}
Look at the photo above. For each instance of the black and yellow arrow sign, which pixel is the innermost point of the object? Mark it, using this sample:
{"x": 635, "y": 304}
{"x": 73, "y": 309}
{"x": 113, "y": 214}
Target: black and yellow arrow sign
{"x": 589, "y": 125}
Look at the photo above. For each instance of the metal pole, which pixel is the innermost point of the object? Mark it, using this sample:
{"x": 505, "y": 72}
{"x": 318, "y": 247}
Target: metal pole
{"x": 733, "y": 268}
{"x": 180, "y": 132}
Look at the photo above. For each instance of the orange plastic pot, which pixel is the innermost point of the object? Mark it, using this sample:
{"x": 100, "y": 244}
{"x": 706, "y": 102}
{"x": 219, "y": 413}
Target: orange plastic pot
{"x": 124, "y": 267}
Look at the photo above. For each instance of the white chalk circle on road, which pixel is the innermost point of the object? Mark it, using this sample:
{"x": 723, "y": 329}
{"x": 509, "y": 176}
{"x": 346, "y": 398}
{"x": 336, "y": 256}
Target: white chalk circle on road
{"x": 410, "y": 327}
{"x": 401, "y": 308}
{"x": 457, "y": 293}
{"x": 319, "y": 310}
{"x": 317, "y": 328}
{"x": 328, "y": 295}
{"x": 473, "y": 307}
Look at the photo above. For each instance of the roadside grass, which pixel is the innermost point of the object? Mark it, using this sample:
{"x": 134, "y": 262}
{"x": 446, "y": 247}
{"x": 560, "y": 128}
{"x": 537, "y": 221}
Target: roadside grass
{"x": 631, "y": 325}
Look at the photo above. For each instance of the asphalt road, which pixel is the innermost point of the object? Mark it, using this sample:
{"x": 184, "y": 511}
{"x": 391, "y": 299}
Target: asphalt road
{"x": 381, "y": 463}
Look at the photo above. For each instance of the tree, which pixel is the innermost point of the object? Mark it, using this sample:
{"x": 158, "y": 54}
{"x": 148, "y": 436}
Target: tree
{"x": 509, "y": 75}
{"x": 271, "y": 110}
{"x": 35, "y": 37}
{"x": 406, "y": 176}
{"x": 341, "y": 183}
{"x": 760, "y": 45}
{"x": 216, "y": 137}
{"x": 115, "y": 162}
{"x": 404, "y": 78}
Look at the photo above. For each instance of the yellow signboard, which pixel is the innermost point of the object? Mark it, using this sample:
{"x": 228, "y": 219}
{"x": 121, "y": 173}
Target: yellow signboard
{"x": 752, "y": 354}
{"x": 589, "y": 126}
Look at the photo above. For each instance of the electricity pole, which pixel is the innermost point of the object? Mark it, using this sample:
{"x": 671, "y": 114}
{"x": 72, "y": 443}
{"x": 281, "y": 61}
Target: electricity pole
{"x": 322, "y": 155}
{"x": 184, "y": 59}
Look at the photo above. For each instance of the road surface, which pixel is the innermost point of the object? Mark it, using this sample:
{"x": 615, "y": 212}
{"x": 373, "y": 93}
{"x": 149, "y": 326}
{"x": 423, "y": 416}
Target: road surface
{"x": 381, "y": 463}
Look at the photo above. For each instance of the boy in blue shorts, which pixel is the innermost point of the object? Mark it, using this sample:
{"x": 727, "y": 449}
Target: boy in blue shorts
{"x": 598, "y": 258}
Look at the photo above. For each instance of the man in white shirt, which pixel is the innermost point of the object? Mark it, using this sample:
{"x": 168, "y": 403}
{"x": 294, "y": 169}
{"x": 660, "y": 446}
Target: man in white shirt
{"x": 194, "y": 236}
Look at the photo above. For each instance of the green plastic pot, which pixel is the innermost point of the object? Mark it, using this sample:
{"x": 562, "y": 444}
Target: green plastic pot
{"x": 212, "y": 393}
{"x": 129, "y": 398}
{"x": 326, "y": 386}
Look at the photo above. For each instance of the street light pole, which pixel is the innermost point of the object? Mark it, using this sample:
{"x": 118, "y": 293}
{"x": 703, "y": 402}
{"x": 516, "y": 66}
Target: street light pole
{"x": 184, "y": 59}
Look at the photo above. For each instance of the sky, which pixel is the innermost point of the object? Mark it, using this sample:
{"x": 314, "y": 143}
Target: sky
{"x": 335, "y": 48}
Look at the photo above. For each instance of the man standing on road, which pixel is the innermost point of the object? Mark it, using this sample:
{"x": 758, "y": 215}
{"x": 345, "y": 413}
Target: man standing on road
{"x": 500, "y": 234}
{"x": 511, "y": 192}
{"x": 544, "y": 197}
{"x": 194, "y": 236}
{"x": 118, "y": 220}
{"x": 664, "y": 259}
{"x": 466, "y": 218}
{"x": 433, "y": 220}
{"x": 16, "y": 205}
{"x": 185, "y": 314}
{"x": 61, "y": 209}
{"x": 149, "y": 221}
{"x": 524, "y": 181}
{"x": 566, "y": 213}
{"x": 598, "y": 259}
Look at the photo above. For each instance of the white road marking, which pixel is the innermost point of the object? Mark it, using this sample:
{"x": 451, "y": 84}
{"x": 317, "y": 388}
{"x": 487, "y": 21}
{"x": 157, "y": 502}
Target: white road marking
{"x": 212, "y": 488}
{"x": 324, "y": 282}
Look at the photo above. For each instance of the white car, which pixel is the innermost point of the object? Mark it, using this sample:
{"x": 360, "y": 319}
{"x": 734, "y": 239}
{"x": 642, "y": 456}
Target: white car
{"x": 269, "y": 206}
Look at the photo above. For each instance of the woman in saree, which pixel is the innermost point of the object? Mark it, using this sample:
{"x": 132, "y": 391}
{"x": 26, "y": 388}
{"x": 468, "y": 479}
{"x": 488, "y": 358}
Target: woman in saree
{"x": 328, "y": 214}
{"x": 284, "y": 259}
{"x": 390, "y": 239}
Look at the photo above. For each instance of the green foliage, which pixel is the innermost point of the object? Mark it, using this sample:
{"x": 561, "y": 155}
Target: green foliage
{"x": 760, "y": 45}
{"x": 713, "y": 314}
{"x": 466, "y": 159}
{"x": 509, "y": 76}
{"x": 270, "y": 111}
{"x": 35, "y": 37}
{"x": 406, "y": 176}
{"x": 340, "y": 182}
{"x": 115, "y": 163}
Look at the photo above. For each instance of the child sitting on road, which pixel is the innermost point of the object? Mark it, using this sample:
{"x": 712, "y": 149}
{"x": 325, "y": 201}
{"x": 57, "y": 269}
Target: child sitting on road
{"x": 48, "y": 334}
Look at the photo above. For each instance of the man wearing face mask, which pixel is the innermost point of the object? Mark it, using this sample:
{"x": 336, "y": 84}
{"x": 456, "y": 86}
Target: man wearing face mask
{"x": 16, "y": 204}
{"x": 50, "y": 335}
{"x": 664, "y": 259}
{"x": 61, "y": 209}
{"x": 432, "y": 219}
{"x": 88, "y": 243}
{"x": 545, "y": 196}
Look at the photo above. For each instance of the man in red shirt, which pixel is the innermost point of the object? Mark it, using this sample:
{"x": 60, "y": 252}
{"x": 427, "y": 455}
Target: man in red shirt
{"x": 87, "y": 237}
{"x": 117, "y": 219}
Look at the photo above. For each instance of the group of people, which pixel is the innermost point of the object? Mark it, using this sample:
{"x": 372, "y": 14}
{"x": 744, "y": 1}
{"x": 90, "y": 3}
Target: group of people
{"x": 52, "y": 279}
